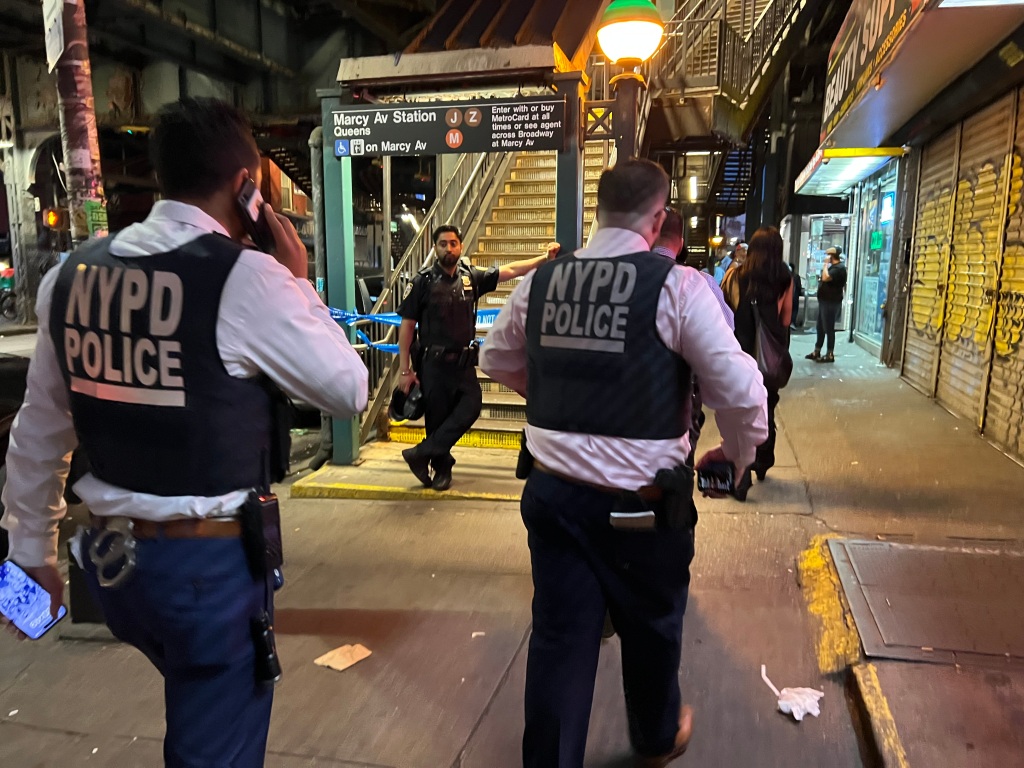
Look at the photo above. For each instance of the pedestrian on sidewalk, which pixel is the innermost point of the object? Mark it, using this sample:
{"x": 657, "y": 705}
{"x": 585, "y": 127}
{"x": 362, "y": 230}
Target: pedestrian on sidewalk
{"x": 443, "y": 301}
{"x": 611, "y": 336}
{"x": 160, "y": 352}
{"x": 831, "y": 288}
{"x": 763, "y": 285}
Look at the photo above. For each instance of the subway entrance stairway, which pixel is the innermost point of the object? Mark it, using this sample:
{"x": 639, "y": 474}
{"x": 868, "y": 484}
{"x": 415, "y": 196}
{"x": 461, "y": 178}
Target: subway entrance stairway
{"x": 439, "y": 590}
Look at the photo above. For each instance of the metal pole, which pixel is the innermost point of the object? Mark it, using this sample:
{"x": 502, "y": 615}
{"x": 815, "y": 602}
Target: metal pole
{"x": 627, "y": 102}
{"x": 386, "y": 214}
{"x": 569, "y": 171}
{"x": 316, "y": 158}
{"x": 86, "y": 202}
{"x": 340, "y": 258}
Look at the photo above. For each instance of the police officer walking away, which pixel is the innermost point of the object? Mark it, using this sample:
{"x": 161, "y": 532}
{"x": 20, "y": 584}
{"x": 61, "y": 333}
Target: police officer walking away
{"x": 443, "y": 301}
{"x": 160, "y": 352}
{"x": 611, "y": 337}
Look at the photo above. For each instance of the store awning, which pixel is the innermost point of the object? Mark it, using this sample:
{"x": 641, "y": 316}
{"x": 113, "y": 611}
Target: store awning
{"x": 833, "y": 172}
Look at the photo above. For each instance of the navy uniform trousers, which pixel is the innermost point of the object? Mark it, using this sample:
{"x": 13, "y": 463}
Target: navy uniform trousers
{"x": 188, "y": 607}
{"x": 581, "y": 568}
{"x": 452, "y": 401}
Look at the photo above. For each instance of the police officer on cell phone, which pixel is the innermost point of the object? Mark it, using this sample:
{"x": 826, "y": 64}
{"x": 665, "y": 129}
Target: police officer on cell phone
{"x": 443, "y": 302}
{"x": 161, "y": 353}
{"x": 611, "y": 337}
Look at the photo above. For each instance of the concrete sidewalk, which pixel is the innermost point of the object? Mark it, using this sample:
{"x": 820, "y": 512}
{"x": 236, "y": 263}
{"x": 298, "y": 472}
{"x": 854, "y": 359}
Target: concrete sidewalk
{"x": 418, "y": 581}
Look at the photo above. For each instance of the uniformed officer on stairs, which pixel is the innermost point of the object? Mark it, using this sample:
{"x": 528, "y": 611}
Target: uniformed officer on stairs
{"x": 443, "y": 300}
{"x": 610, "y": 338}
{"x": 159, "y": 354}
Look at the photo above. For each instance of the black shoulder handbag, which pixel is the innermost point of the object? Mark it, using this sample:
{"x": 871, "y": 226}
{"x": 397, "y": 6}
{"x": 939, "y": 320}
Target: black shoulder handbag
{"x": 771, "y": 353}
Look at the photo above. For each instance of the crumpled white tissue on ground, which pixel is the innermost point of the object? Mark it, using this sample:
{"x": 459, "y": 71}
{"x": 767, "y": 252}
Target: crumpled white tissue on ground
{"x": 795, "y": 701}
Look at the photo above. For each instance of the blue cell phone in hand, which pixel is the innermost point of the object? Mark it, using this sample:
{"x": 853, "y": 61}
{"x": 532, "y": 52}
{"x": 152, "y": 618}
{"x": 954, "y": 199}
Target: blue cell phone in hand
{"x": 25, "y": 604}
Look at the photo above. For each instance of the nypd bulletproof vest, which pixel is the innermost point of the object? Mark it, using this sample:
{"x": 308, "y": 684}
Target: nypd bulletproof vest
{"x": 596, "y": 364}
{"x": 152, "y": 404}
{"x": 449, "y": 318}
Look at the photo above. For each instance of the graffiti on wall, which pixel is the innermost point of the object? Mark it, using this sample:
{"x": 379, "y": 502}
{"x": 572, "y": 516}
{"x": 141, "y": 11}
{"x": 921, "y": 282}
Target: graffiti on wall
{"x": 930, "y": 263}
{"x": 975, "y": 256}
{"x": 1009, "y": 325}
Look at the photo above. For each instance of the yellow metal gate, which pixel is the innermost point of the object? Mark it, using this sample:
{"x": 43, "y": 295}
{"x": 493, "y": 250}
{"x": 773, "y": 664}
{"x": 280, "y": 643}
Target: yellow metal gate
{"x": 1004, "y": 414}
{"x": 930, "y": 261}
{"x": 978, "y": 230}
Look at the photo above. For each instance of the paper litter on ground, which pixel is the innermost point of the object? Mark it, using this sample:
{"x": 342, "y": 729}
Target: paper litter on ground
{"x": 343, "y": 657}
{"x": 795, "y": 701}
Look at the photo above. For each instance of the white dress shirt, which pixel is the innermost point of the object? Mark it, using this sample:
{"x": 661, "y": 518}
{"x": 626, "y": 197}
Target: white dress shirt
{"x": 727, "y": 312}
{"x": 691, "y": 324}
{"x": 268, "y": 322}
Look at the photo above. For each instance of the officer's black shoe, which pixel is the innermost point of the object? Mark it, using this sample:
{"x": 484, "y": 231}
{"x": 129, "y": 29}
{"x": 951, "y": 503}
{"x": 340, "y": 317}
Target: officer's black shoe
{"x": 442, "y": 479}
{"x": 419, "y": 465}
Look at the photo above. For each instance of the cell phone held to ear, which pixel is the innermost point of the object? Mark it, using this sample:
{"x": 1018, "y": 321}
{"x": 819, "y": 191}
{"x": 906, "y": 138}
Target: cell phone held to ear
{"x": 250, "y": 204}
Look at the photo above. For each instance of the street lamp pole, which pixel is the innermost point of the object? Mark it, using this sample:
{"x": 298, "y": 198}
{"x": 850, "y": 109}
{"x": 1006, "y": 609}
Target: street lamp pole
{"x": 627, "y": 87}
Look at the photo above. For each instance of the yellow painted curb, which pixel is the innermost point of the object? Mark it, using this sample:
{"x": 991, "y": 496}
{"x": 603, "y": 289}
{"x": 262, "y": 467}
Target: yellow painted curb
{"x": 475, "y": 438}
{"x": 838, "y": 642}
{"x": 311, "y": 488}
{"x": 883, "y": 725}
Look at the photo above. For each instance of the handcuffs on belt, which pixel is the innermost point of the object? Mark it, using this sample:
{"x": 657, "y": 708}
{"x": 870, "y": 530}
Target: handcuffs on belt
{"x": 114, "y": 544}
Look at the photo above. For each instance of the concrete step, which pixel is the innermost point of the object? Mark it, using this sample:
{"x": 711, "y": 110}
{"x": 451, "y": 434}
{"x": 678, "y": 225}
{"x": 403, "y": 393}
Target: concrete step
{"x": 524, "y": 246}
{"x": 514, "y": 200}
{"x": 536, "y": 214}
{"x": 488, "y": 260}
{"x": 549, "y": 174}
{"x": 538, "y": 229}
{"x": 524, "y": 187}
{"x": 489, "y": 385}
{"x": 522, "y": 215}
{"x": 486, "y": 433}
{"x": 592, "y": 159}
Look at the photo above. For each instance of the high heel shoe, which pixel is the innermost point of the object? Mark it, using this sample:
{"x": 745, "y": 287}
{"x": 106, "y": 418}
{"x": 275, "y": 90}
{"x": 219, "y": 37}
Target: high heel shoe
{"x": 761, "y": 472}
{"x": 740, "y": 491}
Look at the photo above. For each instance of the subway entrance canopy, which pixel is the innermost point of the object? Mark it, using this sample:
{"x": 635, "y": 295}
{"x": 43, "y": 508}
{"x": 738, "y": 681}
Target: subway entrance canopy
{"x": 481, "y": 84}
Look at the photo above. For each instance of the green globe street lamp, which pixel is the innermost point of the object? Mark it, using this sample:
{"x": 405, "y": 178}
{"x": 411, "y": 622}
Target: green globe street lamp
{"x": 630, "y": 33}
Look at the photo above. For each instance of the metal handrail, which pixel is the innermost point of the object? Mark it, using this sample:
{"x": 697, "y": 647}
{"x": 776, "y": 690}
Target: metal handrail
{"x": 470, "y": 182}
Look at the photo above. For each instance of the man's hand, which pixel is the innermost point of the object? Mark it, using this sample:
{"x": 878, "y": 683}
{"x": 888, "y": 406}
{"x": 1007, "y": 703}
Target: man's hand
{"x": 406, "y": 381}
{"x": 717, "y": 456}
{"x": 553, "y": 249}
{"x": 49, "y": 578}
{"x": 288, "y": 248}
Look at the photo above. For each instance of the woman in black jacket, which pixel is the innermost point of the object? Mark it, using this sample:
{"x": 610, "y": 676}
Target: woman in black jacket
{"x": 763, "y": 284}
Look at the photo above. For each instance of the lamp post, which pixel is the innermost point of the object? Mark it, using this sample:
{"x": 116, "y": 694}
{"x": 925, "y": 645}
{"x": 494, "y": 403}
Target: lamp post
{"x": 629, "y": 34}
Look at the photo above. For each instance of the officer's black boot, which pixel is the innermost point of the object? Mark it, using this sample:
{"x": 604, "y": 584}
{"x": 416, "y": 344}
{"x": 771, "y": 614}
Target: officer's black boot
{"x": 442, "y": 474}
{"x": 420, "y": 465}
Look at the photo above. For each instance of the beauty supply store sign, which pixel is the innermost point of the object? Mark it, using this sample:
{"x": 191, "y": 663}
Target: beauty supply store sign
{"x": 872, "y": 30}
{"x": 491, "y": 125}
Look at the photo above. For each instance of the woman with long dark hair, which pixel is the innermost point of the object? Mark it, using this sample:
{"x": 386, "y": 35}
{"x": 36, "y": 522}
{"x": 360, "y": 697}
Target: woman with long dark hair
{"x": 762, "y": 284}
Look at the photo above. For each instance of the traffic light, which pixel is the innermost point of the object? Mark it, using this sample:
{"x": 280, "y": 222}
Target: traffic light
{"x": 56, "y": 218}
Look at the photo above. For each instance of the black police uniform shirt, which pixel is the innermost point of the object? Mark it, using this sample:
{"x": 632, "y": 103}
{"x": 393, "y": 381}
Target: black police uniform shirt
{"x": 445, "y": 305}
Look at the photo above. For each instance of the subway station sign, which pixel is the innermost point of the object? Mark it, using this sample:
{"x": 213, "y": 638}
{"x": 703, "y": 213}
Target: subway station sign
{"x": 872, "y": 30}
{"x": 483, "y": 125}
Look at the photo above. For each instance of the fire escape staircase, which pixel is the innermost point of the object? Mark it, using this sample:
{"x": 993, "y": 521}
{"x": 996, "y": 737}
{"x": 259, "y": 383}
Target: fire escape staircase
{"x": 709, "y": 81}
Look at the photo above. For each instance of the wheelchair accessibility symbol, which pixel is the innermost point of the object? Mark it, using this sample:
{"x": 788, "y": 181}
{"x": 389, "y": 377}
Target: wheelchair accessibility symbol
{"x": 341, "y": 148}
